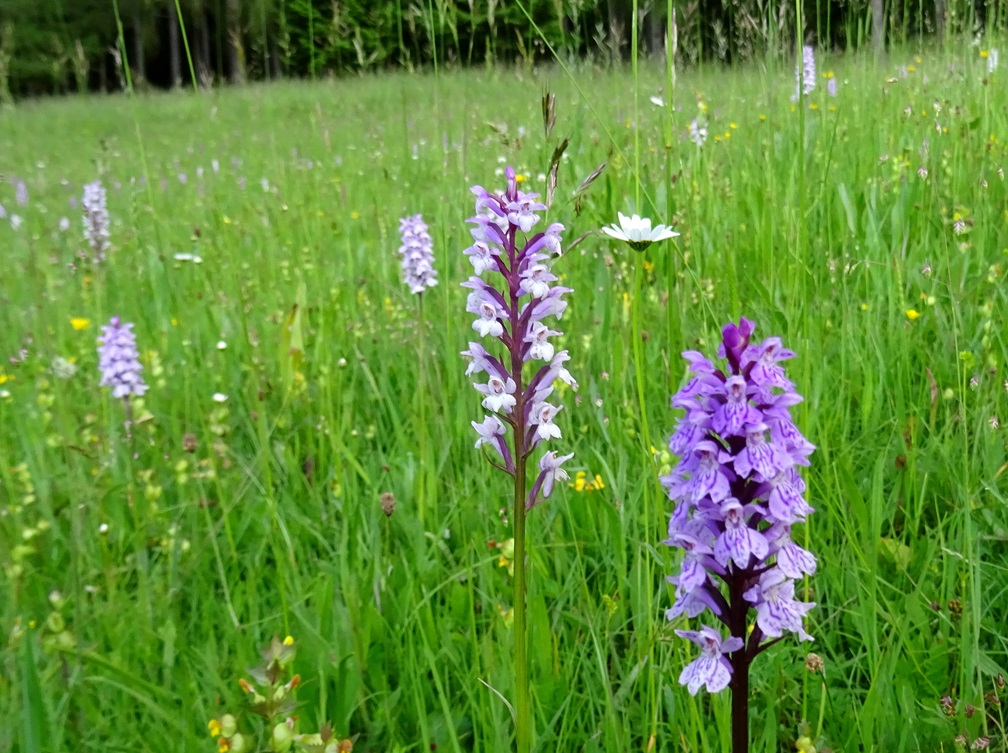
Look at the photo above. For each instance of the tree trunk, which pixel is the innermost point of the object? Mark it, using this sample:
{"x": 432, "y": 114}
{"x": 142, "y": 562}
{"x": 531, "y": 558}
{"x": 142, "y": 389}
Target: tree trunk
{"x": 174, "y": 56}
{"x": 138, "y": 65}
{"x": 275, "y": 63}
{"x": 878, "y": 27}
{"x": 236, "y": 52}
{"x": 204, "y": 44}
{"x": 939, "y": 12}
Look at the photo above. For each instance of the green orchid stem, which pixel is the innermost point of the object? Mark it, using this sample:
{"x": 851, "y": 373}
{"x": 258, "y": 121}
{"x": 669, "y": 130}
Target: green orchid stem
{"x": 523, "y": 702}
{"x": 652, "y": 689}
{"x": 421, "y": 481}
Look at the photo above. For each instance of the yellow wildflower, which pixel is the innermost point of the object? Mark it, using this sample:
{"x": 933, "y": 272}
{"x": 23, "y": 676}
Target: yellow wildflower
{"x": 648, "y": 266}
{"x": 912, "y": 314}
{"x": 355, "y": 215}
{"x": 215, "y": 727}
{"x": 983, "y": 54}
{"x": 584, "y": 484}
{"x": 79, "y": 323}
{"x": 288, "y": 641}
{"x": 520, "y": 178}
{"x": 507, "y": 555}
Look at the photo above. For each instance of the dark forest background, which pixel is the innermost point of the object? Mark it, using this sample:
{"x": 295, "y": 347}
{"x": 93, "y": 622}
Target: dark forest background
{"x": 59, "y": 46}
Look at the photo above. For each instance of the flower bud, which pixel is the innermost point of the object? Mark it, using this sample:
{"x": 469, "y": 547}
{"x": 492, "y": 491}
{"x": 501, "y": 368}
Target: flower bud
{"x": 56, "y": 599}
{"x": 55, "y": 623}
{"x": 283, "y": 738}
{"x": 239, "y": 744}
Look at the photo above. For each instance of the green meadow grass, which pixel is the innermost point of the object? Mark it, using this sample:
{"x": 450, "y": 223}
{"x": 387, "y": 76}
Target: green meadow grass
{"x": 173, "y": 568}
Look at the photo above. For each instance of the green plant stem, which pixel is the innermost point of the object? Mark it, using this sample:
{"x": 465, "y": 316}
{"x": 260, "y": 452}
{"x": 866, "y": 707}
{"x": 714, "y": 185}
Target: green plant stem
{"x": 422, "y": 397}
{"x": 648, "y": 465}
{"x": 522, "y": 700}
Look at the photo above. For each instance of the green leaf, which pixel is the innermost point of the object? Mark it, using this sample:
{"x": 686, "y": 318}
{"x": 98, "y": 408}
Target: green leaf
{"x": 34, "y": 724}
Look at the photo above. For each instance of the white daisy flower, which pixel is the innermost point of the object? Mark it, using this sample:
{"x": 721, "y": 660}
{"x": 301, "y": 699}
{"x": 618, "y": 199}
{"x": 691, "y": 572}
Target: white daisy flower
{"x": 637, "y": 231}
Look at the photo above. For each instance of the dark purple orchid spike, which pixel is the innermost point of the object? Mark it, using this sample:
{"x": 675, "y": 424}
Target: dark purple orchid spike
{"x": 737, "y": 492}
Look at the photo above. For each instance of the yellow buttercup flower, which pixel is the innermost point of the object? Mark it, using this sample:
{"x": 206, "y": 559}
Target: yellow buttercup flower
{"x": 79, "y": 323}
{"x": 912, "y": 314}
{"x": 215, "y": 727}
{"x": 584, "y": 484}
{"x": 288, "y": 641}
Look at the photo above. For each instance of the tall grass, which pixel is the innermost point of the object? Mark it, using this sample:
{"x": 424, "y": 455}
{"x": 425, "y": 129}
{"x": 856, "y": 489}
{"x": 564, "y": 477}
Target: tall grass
{"x": 273, "y": 525}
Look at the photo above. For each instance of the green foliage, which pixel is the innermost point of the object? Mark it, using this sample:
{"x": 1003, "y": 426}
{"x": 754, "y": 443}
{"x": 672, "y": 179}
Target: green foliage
{"x": 59, "y": 45}
{"x": 183, "y": 543}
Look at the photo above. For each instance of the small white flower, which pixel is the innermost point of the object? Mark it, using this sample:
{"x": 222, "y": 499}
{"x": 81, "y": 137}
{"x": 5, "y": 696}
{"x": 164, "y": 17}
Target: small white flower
{"x": 220, "y": 397}
{"x": 221, "y": 345}
{"x": 184, "y": 256}
{"x": 657, "y": 101}
{"x": 103, "y": 528}
{"x": 637, "y": 231}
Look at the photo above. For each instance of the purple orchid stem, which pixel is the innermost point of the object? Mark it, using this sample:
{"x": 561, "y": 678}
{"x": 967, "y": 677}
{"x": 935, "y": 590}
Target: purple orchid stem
{"x": 738, "y": 492}
{"x": 514, "y": 317}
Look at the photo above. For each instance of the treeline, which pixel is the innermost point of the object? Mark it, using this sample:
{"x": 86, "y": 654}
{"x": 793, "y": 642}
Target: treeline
{"x": 56, "y": 46}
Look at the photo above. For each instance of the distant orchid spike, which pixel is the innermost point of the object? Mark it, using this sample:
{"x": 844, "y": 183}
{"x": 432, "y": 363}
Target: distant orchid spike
{"x": 698, "y": 132}
{"x": 96, "y": 220}
{"x": 805, "y": 74}
{"x": 637, "y": 231}
{"x": 417, "y": 252}
{"x": 737, "y": 494}
{"x": 119, "y": 361}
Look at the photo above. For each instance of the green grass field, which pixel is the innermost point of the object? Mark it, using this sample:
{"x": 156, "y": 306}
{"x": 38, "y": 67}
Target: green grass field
{"x": 143, "y": 570}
